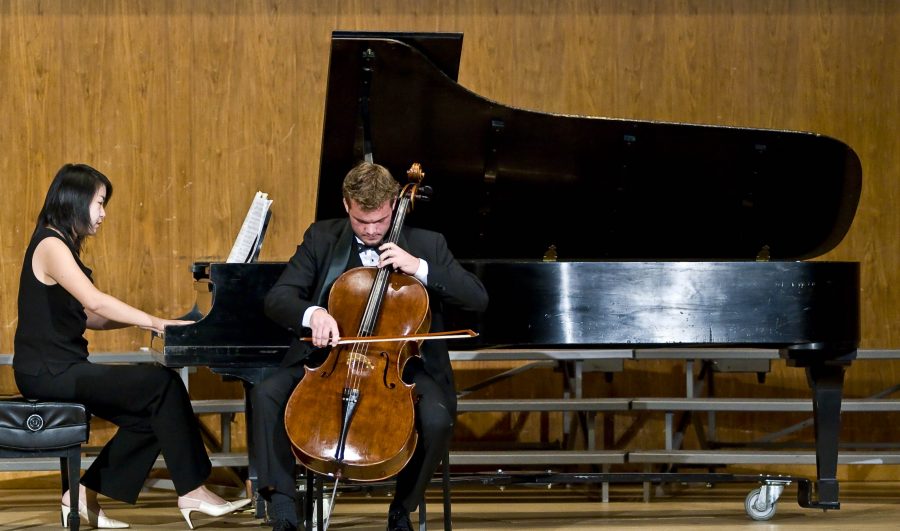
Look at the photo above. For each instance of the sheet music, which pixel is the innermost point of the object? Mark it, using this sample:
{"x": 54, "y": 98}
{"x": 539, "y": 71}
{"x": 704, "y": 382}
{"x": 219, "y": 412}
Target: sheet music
{"x": 251, "y": 231}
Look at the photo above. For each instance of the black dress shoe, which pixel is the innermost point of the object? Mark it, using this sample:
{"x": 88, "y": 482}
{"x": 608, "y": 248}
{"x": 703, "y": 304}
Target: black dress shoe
{"x": 283, "y": 525}
{"x": 398, "y": 522}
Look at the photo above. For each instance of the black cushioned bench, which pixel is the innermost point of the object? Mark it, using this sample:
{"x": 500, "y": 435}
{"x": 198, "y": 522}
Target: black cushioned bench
{"x": 30, "y": 429}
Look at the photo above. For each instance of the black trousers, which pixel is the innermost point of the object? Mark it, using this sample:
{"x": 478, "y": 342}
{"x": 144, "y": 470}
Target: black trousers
{"x": 153, "y": 411}
{"x": 435, "y": 413}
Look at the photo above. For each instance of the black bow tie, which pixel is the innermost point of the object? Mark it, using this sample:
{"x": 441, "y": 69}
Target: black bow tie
{"x": 361, "y": 248}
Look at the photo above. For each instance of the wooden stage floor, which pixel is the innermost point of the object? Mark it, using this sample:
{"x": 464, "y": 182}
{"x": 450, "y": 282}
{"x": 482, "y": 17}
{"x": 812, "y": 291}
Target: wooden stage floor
{"x": 34, "y": 504}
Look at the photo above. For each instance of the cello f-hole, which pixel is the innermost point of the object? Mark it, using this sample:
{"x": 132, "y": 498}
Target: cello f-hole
{"x": 387, "y": 366}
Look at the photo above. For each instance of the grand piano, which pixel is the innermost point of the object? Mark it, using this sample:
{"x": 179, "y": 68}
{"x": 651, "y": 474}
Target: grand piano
{"x": 587, "y": 232}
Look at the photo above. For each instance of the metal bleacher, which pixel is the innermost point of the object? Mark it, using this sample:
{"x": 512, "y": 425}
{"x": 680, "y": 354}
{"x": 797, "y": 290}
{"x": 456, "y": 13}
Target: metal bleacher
{"x": 581, "y": 411}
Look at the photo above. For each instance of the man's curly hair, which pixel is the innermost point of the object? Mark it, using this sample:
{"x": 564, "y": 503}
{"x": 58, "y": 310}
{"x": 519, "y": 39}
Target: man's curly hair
{"x": 370, "y": 185}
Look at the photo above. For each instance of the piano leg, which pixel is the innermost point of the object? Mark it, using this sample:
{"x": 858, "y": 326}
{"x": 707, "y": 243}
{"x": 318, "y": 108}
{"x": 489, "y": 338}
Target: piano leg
{"x": 827, "y": 384}
{"x": 252, "y": 478}
{"x": 825, "y": 375}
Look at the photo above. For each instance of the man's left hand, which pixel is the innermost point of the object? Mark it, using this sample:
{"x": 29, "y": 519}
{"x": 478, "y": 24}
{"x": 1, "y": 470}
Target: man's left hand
{"x": 392, "y": 255}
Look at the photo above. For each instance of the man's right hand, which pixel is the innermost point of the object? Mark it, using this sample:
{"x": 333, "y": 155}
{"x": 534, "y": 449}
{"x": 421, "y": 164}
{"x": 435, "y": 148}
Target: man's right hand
{"x": 324, "y": 328}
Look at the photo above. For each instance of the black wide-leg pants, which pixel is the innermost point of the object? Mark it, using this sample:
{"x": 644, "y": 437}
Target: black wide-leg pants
{"x": 435, "y": 413}
{"x": 152, "y": 409}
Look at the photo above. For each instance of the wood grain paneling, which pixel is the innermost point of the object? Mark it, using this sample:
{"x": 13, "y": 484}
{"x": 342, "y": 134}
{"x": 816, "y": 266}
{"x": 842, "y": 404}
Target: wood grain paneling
{"x": 191, "y": 106}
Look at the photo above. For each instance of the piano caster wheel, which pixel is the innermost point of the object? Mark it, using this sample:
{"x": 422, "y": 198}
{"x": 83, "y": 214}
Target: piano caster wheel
{"x": 758, "y": 507}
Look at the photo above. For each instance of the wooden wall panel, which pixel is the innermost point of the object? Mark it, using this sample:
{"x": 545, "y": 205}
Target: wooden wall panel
{"x": 191, "y": 106}
{"x": 32, "y": 140}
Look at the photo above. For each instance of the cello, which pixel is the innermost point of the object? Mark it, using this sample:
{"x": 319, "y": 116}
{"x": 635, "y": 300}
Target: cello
{"x": 353, "y": 416}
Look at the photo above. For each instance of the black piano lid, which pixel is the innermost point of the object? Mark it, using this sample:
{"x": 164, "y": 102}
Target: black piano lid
{"x": 442, "y": 49}
{"x": 508, "y": 183}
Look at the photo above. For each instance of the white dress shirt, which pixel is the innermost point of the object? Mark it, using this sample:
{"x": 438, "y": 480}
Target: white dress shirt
{"x": 369, "y": 258}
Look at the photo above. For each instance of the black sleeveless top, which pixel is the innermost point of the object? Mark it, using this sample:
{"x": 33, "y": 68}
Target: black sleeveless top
{"x": 50, "y": 331}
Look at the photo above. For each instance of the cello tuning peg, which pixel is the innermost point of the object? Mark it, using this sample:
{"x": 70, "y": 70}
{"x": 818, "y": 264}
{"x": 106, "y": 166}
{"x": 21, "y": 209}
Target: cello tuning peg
{"x": 423, "y": 193}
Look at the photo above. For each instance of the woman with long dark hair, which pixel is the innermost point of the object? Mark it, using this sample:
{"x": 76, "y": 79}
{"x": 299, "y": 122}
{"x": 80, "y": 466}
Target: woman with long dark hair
{"x": 149, "y": 404}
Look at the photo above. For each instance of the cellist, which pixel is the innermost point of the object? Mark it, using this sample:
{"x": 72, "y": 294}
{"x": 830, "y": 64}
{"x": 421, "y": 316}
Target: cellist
{"x": 298, "y": 302}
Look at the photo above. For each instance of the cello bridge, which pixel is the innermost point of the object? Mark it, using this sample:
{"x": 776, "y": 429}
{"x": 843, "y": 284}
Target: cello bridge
{"x": 359, "y": 358}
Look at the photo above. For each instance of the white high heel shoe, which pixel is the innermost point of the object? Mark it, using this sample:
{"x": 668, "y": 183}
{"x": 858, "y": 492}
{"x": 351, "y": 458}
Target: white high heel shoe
{"x": 96, "y": 520}
{"x": 208, "y": 508}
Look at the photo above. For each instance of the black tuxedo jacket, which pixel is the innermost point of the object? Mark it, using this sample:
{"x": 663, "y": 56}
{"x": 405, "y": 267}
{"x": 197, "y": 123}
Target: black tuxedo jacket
{"x": 329, "y": 248}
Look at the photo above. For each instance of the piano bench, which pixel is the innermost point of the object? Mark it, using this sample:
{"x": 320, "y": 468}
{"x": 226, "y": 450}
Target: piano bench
{"x": 31, "y": 429}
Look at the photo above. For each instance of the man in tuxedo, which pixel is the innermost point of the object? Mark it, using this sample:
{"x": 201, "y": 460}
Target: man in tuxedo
{"x": 298, "y": 302}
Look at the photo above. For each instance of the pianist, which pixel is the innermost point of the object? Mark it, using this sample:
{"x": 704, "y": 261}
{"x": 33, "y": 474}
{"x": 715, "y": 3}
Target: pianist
{"x": 297, "y": 302}
{"x": 149, "y": 404}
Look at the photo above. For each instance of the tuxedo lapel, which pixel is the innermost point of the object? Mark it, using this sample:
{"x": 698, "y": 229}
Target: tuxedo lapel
{"x": 338, "y": 264}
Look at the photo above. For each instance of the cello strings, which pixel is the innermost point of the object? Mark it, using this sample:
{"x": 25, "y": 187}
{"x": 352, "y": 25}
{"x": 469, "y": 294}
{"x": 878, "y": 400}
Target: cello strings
{"x": 369, "y": 320}
{"x": 351, "y": 381}
{"x": 360, "y": 358}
